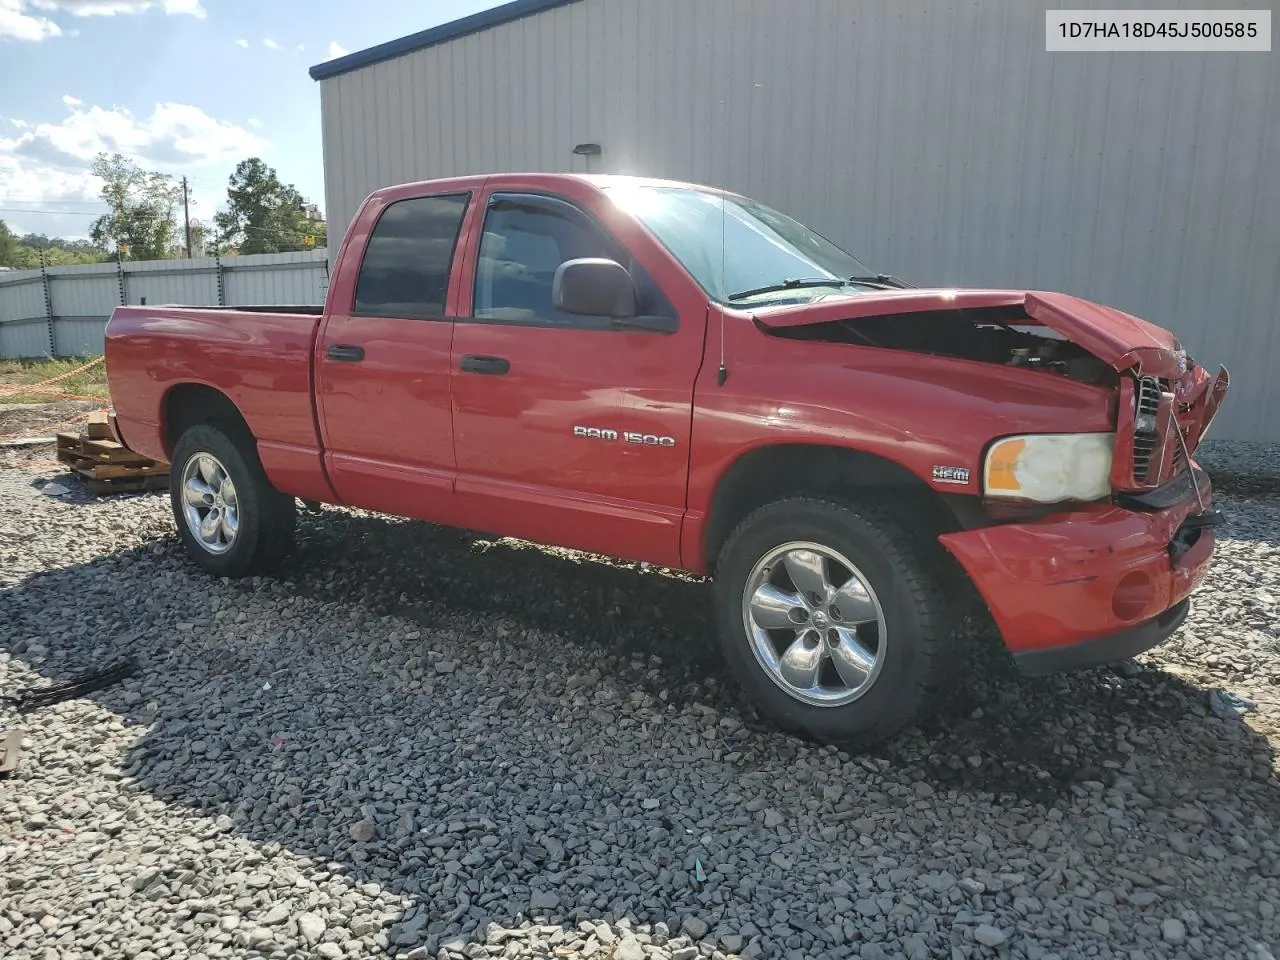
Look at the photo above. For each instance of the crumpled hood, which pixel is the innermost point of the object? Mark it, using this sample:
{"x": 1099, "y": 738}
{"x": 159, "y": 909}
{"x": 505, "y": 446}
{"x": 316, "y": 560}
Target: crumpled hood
{"x": 1114, "y": 337}
{"x": 1166, "y": 401}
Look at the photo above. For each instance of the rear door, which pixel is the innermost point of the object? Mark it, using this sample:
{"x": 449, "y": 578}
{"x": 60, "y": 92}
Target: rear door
{"x": 382, "y": 362}
{"x": 566, "y": 429}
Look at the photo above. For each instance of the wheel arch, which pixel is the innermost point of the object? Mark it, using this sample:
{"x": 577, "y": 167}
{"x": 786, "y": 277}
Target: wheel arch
{"x": 186, "y": 404}
{"x": 764, "y": 474}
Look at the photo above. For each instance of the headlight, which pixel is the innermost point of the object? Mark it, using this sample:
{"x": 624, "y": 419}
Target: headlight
{"x": 1048, "y": 468}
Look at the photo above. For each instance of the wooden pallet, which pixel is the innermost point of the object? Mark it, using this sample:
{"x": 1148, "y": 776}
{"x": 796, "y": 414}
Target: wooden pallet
{"x": 102, "y": 488}
{"x": 100, "y": 427}
{"x": 107, "y": 465}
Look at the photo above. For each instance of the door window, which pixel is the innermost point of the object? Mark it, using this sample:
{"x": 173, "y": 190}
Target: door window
{"x": 405, "y": 271}
{"x": 525, "y": 240}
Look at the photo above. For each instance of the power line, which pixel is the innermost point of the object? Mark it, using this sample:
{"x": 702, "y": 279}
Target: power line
{"x": 56, "y": 203}
{"x": 60, "y": 213}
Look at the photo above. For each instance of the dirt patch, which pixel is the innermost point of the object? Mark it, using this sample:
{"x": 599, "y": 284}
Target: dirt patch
{"x": 18, "y": 420}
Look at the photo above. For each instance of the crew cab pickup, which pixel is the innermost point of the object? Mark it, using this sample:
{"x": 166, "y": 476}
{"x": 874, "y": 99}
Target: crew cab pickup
{"x": 670, "y": 373}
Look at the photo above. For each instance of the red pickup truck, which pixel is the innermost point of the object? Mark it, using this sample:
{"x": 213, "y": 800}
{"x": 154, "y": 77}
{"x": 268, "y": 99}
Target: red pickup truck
{"x": 668, "y": 373}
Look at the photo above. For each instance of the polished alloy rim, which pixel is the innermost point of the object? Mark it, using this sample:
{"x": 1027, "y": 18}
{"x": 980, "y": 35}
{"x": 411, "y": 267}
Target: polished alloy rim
{"x": 815, "y": 624}
{"x": 209, "y": 503}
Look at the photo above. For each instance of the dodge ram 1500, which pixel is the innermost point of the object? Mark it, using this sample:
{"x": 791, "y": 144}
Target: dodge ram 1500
{"x": 669, "y": 373}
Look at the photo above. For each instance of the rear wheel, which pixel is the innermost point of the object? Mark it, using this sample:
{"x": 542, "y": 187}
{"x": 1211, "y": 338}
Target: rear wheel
{"x": 232, "y": 521}
{"x": 832, "y": 618}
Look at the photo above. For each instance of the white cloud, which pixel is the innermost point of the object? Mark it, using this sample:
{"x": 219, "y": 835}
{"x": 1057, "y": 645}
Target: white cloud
{"x": 241, "y": 43}
{"x": 45, "y": 166}
{"x": 16, "y": 24}
{"x": 174, "y": 133}
{"x": 336, "y": 51}
{"x": 270, "y": 44}
{"x": 109, "y": 8}
{"x": 255, "y": 123}
{"x": 23, "y": 19}
{"x": 301, "y": 48}
{"x": 72, "y": 102}
{"x": 25, "y": 186}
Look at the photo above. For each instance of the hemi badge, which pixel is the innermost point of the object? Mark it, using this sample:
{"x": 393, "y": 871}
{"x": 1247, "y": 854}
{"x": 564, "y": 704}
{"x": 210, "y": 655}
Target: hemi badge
{"x": 950, "y": 474}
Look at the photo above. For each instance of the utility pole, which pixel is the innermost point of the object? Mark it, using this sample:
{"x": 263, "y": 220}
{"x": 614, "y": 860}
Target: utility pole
{"x": 186, "y": 216}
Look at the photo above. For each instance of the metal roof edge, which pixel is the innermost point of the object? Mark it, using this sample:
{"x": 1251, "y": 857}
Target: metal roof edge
{"x": 443, "y": 33}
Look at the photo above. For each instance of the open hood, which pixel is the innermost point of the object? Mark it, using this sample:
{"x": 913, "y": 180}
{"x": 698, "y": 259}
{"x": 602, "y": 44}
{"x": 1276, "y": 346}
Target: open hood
{"x": 1166, "y": 401}
{"x": 1112, "y": 336}
{"x": 1122, "y": 341}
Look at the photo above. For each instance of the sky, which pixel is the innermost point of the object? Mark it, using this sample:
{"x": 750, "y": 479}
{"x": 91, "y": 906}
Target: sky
{"x": 185, "y": 87}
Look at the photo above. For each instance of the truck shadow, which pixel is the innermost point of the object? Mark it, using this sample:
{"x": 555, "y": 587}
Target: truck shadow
{"x": 1034, "y": 737}
{"x": 1001, "y": 741}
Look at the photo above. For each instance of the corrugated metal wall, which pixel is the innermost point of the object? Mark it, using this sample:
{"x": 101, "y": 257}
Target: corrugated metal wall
{"x": 937, "y": 141}
{"x": 276, "y": 278}
{"x": 81, "y": 297}
{"x": 172, "y": 281}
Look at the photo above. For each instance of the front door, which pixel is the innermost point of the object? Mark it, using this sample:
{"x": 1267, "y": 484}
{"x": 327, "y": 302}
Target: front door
{"x": 382, "y": 364}
{"x": 567, "y": 430}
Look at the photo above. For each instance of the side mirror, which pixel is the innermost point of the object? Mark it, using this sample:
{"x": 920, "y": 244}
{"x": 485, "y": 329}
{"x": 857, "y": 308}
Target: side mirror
{"x": 594, "y": 287}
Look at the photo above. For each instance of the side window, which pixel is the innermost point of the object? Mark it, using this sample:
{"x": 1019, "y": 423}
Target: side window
{"x": 405, "y": 271}
{"x": 525, "y": 240}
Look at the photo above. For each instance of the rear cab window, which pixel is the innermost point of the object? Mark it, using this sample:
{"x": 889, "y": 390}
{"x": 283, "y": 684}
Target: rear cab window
{"x": 407, "y": 261}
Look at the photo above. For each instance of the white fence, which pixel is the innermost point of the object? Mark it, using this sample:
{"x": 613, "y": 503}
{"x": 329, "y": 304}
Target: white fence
{"x": 63, "y": 311}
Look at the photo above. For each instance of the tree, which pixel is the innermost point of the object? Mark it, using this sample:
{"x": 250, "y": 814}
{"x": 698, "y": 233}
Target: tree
{"x": 24, "y": 253}
{"x": 264, "y": 215}
{"x": 141, "y": 224}
{"x": 86, "y": 248}
{"x": 8, "y": 246}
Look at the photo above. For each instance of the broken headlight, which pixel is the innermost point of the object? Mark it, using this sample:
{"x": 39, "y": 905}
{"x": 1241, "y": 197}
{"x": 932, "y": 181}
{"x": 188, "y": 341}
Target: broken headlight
{"x": 1050, "y": 468}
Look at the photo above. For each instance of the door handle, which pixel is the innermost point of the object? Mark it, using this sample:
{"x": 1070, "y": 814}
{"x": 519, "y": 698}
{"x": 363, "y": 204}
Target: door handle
{"x": 492, "y": 365}
{"x": 346, "y": 352}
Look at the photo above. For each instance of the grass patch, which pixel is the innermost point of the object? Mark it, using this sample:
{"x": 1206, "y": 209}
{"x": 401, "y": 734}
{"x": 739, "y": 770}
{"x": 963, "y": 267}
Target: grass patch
{"x": 87, "y": 383}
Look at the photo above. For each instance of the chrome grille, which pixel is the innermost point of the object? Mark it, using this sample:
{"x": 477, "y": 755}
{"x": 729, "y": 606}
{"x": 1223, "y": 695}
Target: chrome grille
{"x": 1144, "y": 436}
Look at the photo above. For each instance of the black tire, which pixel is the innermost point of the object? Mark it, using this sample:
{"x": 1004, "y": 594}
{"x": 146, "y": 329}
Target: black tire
{"x": 906, "y": 576}
{"x": 266, "y": 516}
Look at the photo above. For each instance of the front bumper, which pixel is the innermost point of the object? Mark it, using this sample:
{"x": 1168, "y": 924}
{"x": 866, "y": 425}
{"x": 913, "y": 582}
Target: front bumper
{"x": 1109, "y": 649}
{"x": 1095, "y": 585}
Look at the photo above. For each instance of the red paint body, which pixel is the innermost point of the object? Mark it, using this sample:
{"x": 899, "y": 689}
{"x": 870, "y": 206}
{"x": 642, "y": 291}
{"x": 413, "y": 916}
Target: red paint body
{"x": 406, "y": 432}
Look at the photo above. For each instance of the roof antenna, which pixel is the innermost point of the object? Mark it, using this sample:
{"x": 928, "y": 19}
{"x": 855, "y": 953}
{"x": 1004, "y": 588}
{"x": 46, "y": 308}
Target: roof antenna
{"x": 723, "y": 373}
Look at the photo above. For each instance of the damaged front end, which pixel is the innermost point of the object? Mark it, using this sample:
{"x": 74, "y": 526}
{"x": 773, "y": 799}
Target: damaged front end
{"x": 1165, "y": 401}
{"x": 1087, "y": 545}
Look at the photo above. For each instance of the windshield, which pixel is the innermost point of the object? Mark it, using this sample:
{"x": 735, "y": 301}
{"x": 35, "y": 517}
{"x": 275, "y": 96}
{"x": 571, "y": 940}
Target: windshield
{"x": 747, "y": 248}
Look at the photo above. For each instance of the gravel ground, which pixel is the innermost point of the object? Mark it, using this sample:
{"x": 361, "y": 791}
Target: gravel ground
{"x": 420, "y": 743}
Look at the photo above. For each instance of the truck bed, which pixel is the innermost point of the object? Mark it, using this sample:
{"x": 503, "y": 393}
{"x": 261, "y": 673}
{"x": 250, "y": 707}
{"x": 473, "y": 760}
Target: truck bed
{"x": 259, "y": 357}
{"x": 308, "y": 309}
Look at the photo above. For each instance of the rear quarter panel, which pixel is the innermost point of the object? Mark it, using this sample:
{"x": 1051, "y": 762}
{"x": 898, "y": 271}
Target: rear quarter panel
{"x": 261, "y": 361}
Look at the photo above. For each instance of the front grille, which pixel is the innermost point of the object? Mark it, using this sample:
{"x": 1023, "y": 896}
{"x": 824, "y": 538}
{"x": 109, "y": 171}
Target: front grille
{"x": 1145, "y": 441}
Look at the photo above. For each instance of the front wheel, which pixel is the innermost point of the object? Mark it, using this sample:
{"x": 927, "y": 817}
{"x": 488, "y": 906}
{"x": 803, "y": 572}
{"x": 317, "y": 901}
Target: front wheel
{"x": 833, "y": 619}
{"x": 232, "y": 521}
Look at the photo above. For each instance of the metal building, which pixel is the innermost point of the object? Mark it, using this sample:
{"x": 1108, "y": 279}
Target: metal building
{"x": 937, "y": 141}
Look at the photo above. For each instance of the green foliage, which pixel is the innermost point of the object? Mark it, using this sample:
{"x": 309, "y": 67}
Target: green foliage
{"x": 8, "y": 246}
{"x": 38, "y": 241}
{"x": 88, "y": 383}
{"x": 23, "y": 253}
{"x": 264, "y": 215}
{"x": 142, "y": 224}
